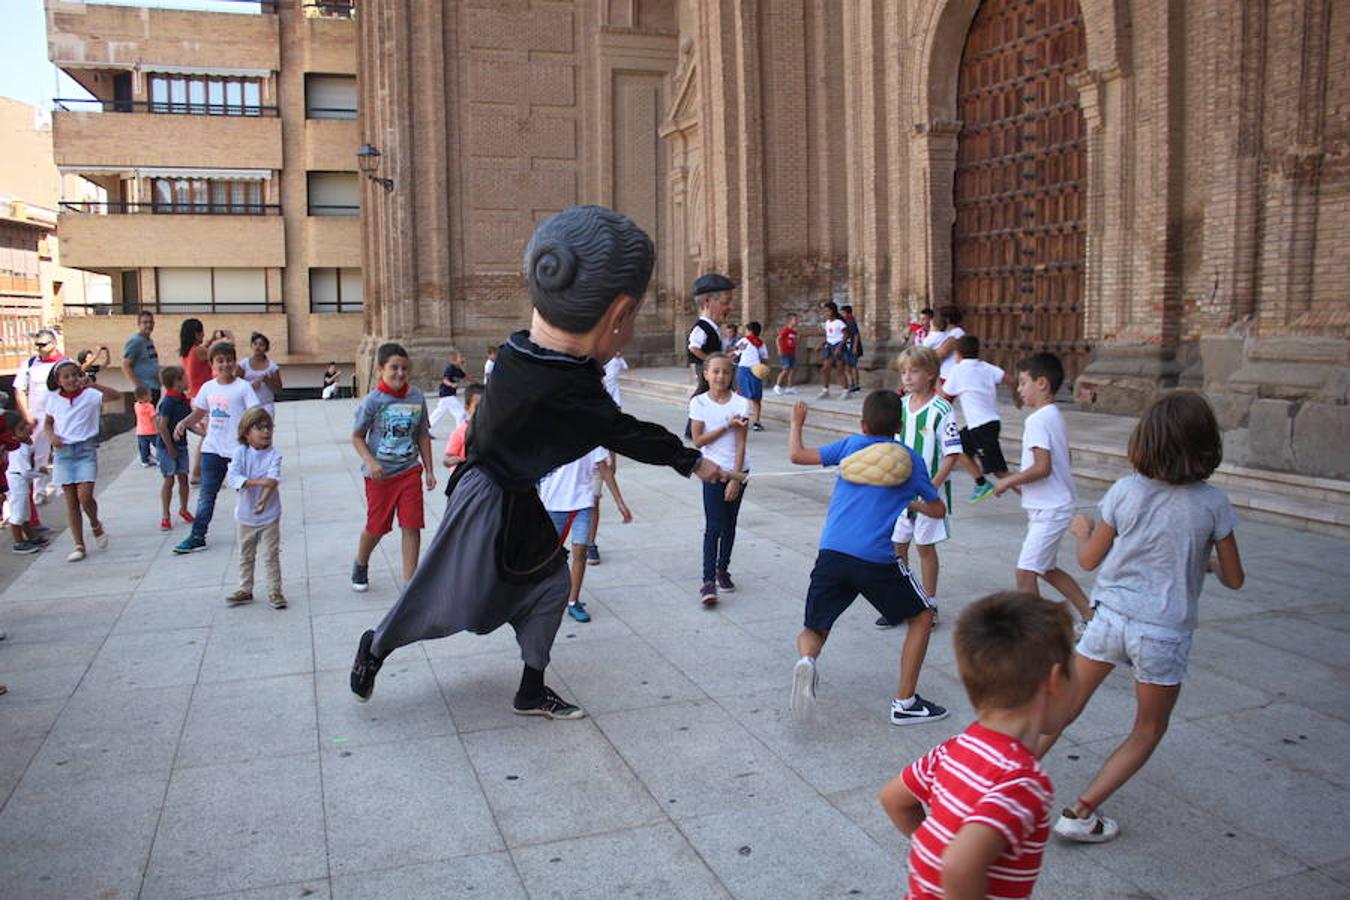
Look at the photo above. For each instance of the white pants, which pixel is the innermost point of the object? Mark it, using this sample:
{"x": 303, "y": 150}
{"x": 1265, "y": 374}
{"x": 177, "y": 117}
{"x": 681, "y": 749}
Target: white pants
{"x": 329, "y": 391}
{"x": 447, "y": 405}
{"x": 20, "y": 502}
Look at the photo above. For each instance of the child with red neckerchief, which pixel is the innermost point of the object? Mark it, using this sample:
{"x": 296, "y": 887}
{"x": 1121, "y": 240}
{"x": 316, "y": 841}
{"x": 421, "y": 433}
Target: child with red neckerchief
{"x": 73, "y": 410}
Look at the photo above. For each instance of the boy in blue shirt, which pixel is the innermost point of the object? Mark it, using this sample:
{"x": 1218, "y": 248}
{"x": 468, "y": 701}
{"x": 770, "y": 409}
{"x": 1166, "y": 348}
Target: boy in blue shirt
{"x": 879, "y": 480}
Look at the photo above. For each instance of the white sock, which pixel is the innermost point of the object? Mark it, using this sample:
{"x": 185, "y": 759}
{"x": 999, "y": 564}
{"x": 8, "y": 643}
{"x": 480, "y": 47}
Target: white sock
{"x": 933, "y": 602}
{"x": 807, "y": 659}
{"x": 905, "y": 703}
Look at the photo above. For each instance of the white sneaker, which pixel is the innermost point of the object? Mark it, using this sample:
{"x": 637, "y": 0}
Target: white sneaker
{"x": 1095, "y": 829}
{"x": 789, "y": 390}
{"x": 777, "y": 390}
{"x": 803, "y": 702}
{"x": 823, "y": 395}
{"x": 75, "y": 555}
{"x": 40, "y": 498}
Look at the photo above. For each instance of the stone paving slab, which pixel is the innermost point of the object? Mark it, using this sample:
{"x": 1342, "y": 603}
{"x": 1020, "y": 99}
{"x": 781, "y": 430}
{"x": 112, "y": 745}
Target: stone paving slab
{"x": 156, "y": 743}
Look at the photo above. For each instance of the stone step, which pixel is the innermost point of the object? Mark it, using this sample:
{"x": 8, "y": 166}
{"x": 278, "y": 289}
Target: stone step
{"x": 1097, "y": 443}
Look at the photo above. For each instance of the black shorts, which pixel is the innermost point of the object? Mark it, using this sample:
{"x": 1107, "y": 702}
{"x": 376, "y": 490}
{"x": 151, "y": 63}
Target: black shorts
{"x": 981, "y": 442}
{"x": 838, "y": 579}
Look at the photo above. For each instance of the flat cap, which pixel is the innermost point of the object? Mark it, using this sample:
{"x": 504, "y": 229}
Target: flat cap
{"x": 713, "y": 283}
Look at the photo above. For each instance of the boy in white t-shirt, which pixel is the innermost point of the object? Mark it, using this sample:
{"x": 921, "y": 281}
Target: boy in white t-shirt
{"x": 942, "y": 339}
{"x": 1045, "y": 481}
{"x": 567, "y": 495}
{"x": 975, "y": 383}
{"x": 221, "y": 401}
{"x": 718, "y": 421}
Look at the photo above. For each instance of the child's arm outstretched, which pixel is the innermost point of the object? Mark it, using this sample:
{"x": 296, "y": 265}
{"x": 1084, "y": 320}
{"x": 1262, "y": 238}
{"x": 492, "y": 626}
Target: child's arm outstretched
{"x": 1094, "y": 540}
{"x": 1039, "y": 469}
{"x": 607, "y": 476}
{"x": 187, "y": 422}
{"x": 797, "y": 453}
{"x": 103, "y": 389}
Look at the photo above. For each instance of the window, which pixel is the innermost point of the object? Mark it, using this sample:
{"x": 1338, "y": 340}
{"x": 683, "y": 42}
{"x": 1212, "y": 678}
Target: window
{"x": 330, "y": 96}
{"x": 211, "y": 291}
{"x": 206, "y": 95}
{"x": 207, "y": 196}
{"x": 334, "y": 194}
{"x": 335, "y": 290}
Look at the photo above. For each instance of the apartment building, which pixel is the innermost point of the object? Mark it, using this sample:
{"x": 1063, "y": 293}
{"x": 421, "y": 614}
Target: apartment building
{"x": 225, "y": 142}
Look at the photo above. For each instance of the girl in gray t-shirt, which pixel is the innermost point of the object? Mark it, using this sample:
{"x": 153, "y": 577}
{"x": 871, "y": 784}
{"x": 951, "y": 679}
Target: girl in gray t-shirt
{"x": 1162, "y": 529}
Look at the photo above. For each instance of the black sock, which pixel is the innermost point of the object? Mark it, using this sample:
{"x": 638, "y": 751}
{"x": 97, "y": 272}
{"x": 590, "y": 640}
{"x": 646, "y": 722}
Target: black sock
{"x": 980, "y": 480}
{"x": 531, "y": 685}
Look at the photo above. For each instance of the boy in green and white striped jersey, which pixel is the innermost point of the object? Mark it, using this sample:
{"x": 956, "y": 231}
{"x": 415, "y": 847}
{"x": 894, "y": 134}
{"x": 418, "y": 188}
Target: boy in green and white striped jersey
{"x": 928, "y": 427}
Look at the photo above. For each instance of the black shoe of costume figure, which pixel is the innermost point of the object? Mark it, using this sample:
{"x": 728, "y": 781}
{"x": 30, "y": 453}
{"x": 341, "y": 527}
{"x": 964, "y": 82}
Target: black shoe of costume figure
{"x": 365, "y": 668}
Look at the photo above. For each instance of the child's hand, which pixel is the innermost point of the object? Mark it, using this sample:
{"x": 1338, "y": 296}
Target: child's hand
{"x": 431, "y": 478}
{"x": 57, "y": 442}
{"x": 1001, "y": 486}
{"x": 799, "y": 413}
{"x": 172, "y": 451}
{"x": 1081, "y": 527}
{"x": 625, "y": 513}
{"x": 259, "y": 507}
{"x": 709, "y": 471}
{"x": 741, "y": 422}
{"x": 374, "y": 470}
{"x": 733, "y": 490}
{"x": 179, "y": 432}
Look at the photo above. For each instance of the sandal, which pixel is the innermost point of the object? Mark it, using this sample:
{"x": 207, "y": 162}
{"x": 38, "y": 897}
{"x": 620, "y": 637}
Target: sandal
{"x": 75, "y": 555}
{"x": 101, "y": 538}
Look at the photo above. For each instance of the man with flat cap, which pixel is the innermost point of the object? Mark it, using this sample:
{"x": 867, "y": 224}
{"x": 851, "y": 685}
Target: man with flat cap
{"x": 712, "y": 293}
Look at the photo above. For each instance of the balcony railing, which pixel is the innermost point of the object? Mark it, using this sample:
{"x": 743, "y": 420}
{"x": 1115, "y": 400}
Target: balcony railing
{"x": 330, "y": 112}
{"x": 120, "y": 208}
{"x": 245, "y": 7}
{"x": 166, "y": 107}
{"x": 335, "y": 210}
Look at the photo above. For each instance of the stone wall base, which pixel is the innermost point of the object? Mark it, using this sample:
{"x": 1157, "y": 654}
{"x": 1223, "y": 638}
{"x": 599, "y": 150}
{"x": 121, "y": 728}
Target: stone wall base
{"x": 1123, "y": 379}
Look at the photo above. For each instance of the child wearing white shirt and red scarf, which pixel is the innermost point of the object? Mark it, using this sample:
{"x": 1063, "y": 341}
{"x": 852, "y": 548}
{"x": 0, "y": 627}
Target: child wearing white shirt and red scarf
{"x": 72, "y": 420}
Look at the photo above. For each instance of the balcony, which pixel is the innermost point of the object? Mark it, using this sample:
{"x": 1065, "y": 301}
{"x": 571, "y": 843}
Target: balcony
{"x": 85, "y": 35}
{"x": 147, "y": 136}
{"x": 330, "y": 145}
{"x": 142, "y": 235}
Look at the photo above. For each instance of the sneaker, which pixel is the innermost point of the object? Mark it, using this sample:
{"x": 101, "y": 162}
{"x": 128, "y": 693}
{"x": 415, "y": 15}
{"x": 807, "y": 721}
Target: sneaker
{"x": 41, "y": 531}
{"x": 360, "y": 578}
{"x": 803, "y": 702}
{"x": 190, "y": 544}
{"x": 777, "y": 390}
{"x": 40, "y": 541}
{"x": 756, "y": 427}
{"x": 980, "y": 491}
{"x": 1095, "y": 829}
{"x": 789, "y": 390}
{"x": 578, "y": 611}
{"x": 549, "y": 705}
{"x": 883, "y": 622}
{"x": 239, "y": 598}
{"x": 186, "y": 516}
{"x": 921, "y": 711}
{"x": 365, "y": 668}
{"x": 855, "y": 389}
{"x": 23, "y": 548}
{"x": 147, "y": 464}
{"x": 724, "y": 582}
{"x": 708, "y": 594}
{"x": 165, "y": 524}
{"x": 101, "y": 539}
{"x": 277, "y": 601}
{"x": 592, "y": 555}
{"x": 823, "y": 395}
{"x": 75, "y": 555}
{"x": 40, "y": 498}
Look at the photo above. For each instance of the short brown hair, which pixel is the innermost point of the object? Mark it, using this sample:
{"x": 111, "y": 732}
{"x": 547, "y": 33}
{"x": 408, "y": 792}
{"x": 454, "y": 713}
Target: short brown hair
{"x": 1177, "y": 439}
{"x": 1006, "y": 645}
{"x": 881, "y": 412}
{"x": 253, "y": 416}
{"x": 221, "y": 348}
{"x": 169, "y": 374}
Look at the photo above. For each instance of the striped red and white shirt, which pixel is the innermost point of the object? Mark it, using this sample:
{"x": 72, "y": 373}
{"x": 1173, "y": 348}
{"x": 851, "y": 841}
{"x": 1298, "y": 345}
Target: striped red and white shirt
{"x": 987, "y": 777}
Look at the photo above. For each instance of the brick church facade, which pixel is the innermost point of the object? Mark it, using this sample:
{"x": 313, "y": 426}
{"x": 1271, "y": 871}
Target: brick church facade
{"x": 1155, "y": 190}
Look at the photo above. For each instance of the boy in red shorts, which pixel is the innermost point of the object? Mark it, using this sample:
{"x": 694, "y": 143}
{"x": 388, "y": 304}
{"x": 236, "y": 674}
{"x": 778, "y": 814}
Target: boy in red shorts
{"x": 391, "y": 434}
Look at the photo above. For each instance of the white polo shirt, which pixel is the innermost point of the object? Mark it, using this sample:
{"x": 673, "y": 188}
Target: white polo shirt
{"x": 75, "y": 417}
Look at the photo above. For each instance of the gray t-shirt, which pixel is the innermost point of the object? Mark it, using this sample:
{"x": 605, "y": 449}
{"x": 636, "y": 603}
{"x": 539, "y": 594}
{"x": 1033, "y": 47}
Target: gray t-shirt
{"x": 1165, "y": 535}
{"x": 392, "y": 426}
{"x": 144, "y": 360}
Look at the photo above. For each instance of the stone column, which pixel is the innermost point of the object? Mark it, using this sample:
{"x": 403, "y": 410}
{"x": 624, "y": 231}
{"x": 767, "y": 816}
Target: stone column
{"x": 932, "y": 174}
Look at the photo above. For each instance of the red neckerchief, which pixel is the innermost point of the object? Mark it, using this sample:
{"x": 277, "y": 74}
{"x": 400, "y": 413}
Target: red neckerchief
{"x": 755, "y": 341}
{"x": 170, "y": 392}
{"x": 70, "y": 396}
{"x": 54, "y": 360}
{"x": 386, "y": 389}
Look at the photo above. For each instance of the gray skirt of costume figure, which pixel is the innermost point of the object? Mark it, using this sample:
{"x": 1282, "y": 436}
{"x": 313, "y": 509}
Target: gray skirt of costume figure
{"x": 457, "y": 587}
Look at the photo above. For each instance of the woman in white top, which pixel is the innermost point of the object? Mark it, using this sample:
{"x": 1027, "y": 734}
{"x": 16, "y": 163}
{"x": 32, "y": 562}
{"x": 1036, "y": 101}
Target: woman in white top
{"x": 263, "y": 375}
{"x": 718, "y": 421}
{"x": 832, "y": 358}
{"x": 73, "y": 409}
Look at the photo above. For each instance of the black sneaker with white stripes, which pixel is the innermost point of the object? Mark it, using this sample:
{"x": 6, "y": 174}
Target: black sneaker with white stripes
{"x": 549, "y": 705}
{"x": 922, "y": 711}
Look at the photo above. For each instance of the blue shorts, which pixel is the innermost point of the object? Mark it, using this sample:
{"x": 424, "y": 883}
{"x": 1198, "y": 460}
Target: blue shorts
{"x": 787, "y": 360}
{"x": 580, "y": 532}
{"x": 834, "y": 351}
{"x": 168, "y": 465}
{"x": 850, "y": 358}
{"x": 76, "y": 463}
{"x": 747, "y": 385}
{"x": 838, "y": 579}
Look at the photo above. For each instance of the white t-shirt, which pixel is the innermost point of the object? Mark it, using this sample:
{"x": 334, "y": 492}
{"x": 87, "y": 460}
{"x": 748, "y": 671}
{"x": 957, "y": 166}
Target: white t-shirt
{"x": 714, "y": 415}
{"x": 568, "y": 487}
{"x": 749, "y": 355}
{"x": 32, "y": 381}
{"x": 698, "y": 337}
{"x": 487, "y": 369}
{"x": 75, "y": 418}
{"x": 948, "y": 361}
{"x": 255, "y": 377}
{"x": 20, "y": 462}
{"x": 1045, "y": 429}
{"x": 224, "y": 404}
{"x": 834, "y": 331}
{"x": 613, "y": 369}
{"x": 249, "y": 464}
{"x": 975, "y": 383}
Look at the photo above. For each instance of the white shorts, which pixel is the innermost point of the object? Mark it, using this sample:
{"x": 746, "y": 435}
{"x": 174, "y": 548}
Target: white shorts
{"x": 922, "y": 530}
{"x": 1156, "y": 653}
{"x": 1045, "y": 528}
{"x": 20, "y": 500}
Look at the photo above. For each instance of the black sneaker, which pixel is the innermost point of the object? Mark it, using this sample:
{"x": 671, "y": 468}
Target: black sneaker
{"x": 23, "y": 548}
{"x": 756, "y": 427}
{"x": 921, "y": 711}
{"x": 365, "y": 668}
{"x": 592, "y": 555}
{"x": 724, "y": 583}
{"x": 360, "y": 578}
{"x": 883, "y": 622}
{"x": 549, "y": 705}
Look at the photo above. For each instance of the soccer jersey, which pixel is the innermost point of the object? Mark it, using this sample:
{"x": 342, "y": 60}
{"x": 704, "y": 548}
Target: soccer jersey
{"x": 931, "y": 432}
{"x": 983, "y": 776}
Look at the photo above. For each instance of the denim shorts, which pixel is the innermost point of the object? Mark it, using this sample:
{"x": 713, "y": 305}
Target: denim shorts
{"x": 748, "y": 385}
{"x": 170, "y": 466}
{"x": 581, "y": 524}
{"x": 77, "y": 463}
{"x": 787, "y": 360}
{"x": 1156, "y": 653}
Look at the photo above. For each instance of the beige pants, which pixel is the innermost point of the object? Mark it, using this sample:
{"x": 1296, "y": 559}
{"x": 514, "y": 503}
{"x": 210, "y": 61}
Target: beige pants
{"x": 269, "y": 537}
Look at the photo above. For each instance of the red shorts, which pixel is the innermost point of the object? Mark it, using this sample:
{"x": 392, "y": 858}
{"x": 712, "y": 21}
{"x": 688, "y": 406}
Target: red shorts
{"x": 401, "y": 493}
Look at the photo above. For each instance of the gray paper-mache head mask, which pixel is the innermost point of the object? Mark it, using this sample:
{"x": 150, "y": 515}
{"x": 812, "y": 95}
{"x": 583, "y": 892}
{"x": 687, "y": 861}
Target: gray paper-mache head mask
{"x": 580, "y": 260}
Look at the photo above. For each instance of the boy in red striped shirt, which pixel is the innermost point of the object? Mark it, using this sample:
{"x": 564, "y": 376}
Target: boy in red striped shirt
{"x": 977, "y": 807}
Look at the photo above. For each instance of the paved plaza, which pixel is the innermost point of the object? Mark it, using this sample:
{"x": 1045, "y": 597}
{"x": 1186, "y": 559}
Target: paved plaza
{"x": 155, "y": 743}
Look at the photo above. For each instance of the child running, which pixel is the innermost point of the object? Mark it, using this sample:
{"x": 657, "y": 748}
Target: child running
{"x": 879, "y": 479}
{"x": 787, "y": 356}
{"x": 928, "y": 427}
{"x": 392, "y": 435}
{"x": 1045, "y": 481}
{"x": 718, "y": 421}
{"x": 751, "y": 354}
{"x": 456, "y": 447}
{"x": 255, "y": 472}
{"x": 145, "y": 426}
{"x": 221, "y": 402}
{"x": 568, "y": 496}
{"x": 19, "y": 475}
{"x": 1161, "y": 530}
{"x": 447, "y": 399}
{"x": 974, "y": 383}
{"x": 616, "y": 366}
{"x": 73, "y": 409}
{"x": 173, "y": 454}
{"x": 976, "y": 808}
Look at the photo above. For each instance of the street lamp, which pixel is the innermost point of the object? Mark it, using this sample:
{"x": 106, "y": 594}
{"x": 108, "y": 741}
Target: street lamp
{"x": 368, "y": 161}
